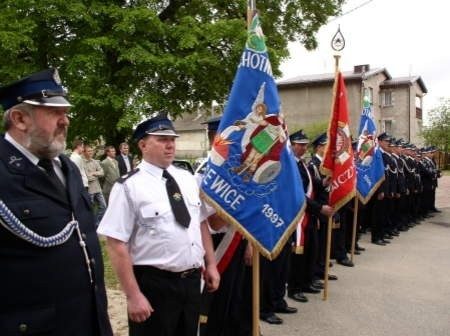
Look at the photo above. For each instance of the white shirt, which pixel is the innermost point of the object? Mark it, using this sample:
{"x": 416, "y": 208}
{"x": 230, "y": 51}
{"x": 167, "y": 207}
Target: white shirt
{"x": 78, "y": 160}
{"x": 140, "y": 215}
{"x": 127, "y": 162}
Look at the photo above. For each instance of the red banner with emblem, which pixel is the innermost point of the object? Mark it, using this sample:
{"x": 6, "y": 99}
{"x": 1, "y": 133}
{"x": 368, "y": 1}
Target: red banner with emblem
{"x": 338, "y": 161}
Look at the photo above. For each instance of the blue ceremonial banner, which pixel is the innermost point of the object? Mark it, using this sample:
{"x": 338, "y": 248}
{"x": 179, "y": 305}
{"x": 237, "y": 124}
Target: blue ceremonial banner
{"x": 252, "y": 179}
{"x": 369, "y": 162}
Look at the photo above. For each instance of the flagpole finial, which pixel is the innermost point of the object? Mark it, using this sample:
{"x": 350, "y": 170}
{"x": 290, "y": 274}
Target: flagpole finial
{"x": 251, "y": 7}
{"x": 338, "y": 41}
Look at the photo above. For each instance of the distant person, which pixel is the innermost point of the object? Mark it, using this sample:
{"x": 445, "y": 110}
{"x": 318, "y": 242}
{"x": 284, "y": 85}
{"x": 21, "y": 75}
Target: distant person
{"x": 77, "y": 150}
{"x": 124, "y": 159}
{"x": 50, "y": 257}
{"x": 94, "y": 171}
{"x": 111, "y": 171}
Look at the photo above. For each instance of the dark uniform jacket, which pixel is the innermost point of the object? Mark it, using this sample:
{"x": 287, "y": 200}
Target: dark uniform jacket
{"x": 401, "y": 177}
{"x": 427, "y": 173}
{"x": 390, "y": 173}
{"x": 312, "y": 206}
{"x": 410, "y": 172}
{"x": 321, "y": 193}
{"x": 47, "y": 290}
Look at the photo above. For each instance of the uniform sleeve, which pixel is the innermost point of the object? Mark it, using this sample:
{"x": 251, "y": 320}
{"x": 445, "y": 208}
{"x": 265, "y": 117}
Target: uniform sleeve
{"x": 206, "y": 210}
{"x": 313, "y": 206}
{"x": 120, "y": 216}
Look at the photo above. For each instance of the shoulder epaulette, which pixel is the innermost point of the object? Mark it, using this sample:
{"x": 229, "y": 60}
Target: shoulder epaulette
{"x": 123, "y": 178}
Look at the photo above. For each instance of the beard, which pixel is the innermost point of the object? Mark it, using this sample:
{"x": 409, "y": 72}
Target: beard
{"x": 45, "y": 146}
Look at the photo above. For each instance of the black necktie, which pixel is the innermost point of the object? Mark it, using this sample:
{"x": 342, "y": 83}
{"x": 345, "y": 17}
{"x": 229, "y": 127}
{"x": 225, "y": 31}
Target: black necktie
{"x": 176, "y": 200}
{"x": 47, "y": 164}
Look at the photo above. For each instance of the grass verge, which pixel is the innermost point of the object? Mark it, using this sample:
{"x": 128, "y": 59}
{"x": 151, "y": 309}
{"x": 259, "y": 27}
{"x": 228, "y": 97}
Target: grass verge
{"x": 111, "y": 280}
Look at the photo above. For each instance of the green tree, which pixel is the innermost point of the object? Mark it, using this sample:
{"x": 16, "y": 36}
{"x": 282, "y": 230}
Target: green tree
{"x": 437, "y": 133}
{"x": 123, "y": 59}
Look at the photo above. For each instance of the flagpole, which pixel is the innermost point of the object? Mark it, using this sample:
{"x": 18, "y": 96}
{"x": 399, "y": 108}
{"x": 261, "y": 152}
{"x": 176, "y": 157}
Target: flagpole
{"x": 327, "y": 259}
{"x": 255, "y": 291}
{"x": 355, "y": 222}
{"x": 330, "y": 219}
{"x": 251, "y": 7}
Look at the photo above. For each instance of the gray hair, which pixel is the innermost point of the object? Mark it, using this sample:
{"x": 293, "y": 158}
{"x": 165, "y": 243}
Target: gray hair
{"x": 7, "y": 122}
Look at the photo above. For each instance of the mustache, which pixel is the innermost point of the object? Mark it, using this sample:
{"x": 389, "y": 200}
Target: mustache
{"x": 61, "y": 130}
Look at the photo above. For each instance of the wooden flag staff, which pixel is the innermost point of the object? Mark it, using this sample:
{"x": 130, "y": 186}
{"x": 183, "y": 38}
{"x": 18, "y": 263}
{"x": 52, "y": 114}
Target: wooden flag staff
{"x": 330, "y": 219}
{"x": 337, "y": 44}
{"x": 251, "y": 8}
{"x": 355, "y": 224}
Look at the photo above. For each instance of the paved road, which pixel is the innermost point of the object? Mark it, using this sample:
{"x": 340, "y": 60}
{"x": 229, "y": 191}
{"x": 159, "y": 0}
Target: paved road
{"x": 402, "y": 289}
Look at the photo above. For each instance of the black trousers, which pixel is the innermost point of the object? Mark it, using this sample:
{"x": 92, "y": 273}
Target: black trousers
{"x": 230, "y": 308}
{"x": 175, "y": 300}
{"x": 302, "y": 266}
{"x": 274, "y": 276}
{"x": 377, "y": 210}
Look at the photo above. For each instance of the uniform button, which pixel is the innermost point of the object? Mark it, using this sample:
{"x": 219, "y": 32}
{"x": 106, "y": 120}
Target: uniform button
{"x": 156, "y": 213}
{"x": 27, "y": 212}
{"x": 96, "y": 288}
{"x": 23, "y": 327}
{"x": 83, "y": 235}
{"x": 93, "y": 261}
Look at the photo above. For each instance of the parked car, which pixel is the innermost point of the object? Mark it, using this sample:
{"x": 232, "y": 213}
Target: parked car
{"x": 184, "y": 164}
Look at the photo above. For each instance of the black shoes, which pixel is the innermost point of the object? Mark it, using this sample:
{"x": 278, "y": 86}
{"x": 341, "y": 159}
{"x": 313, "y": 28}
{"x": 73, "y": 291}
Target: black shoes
{"x": 311, "y": 289}
{"x": 330, "y": 276}
{"x": 346, "y": 262}
{"x": 359, "y": 248}
{"x": 286, "y": 310}
{"x": 272, "y": 319}
{"x": 299, "y": 296}
{"x": 318, "y": 284}
{"x": 379, "y": 242}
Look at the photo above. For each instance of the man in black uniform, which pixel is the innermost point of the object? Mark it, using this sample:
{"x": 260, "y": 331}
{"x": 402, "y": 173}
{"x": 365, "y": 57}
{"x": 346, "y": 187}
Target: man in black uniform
{"x": 52, "y": 269}
{"x": 303, "y": 261}
{"x": 321, "y": 185}
{"x": 434, "y": 174}
{"x": 390, "y": 192}
{"x": 399, "y": 215}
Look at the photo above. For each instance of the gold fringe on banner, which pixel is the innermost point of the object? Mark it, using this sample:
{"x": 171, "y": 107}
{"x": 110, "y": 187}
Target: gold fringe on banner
{"x": 369, "y": 196}
{"x": 271, "y": 255}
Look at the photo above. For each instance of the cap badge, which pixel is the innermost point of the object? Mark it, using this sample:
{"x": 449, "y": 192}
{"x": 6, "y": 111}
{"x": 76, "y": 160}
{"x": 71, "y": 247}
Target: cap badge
{"x": 56, "y": 77}
{"x": 177, "y": 197}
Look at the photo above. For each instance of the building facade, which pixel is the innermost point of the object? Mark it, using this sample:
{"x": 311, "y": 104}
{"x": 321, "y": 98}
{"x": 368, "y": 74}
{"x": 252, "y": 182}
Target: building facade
{"x": 397, "y": 103}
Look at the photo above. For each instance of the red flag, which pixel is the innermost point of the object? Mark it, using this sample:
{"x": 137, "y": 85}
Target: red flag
{"x": 338, "y": 162}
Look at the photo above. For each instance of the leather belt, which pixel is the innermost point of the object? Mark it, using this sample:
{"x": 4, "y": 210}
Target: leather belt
{"x": 167, "y": 274}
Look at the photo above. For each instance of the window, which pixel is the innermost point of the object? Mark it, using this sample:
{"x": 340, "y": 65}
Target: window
{"x": 386, "y": 98}
{"x": 386, "y": 126}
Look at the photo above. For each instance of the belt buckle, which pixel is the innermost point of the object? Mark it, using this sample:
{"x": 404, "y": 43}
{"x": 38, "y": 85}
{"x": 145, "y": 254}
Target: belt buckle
{"x": 186, "y": 273}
